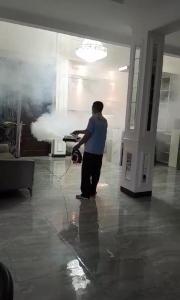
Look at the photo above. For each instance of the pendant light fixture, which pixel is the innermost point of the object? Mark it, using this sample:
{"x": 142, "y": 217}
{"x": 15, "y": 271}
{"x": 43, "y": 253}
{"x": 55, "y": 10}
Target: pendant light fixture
{"x": 91, "y": 51}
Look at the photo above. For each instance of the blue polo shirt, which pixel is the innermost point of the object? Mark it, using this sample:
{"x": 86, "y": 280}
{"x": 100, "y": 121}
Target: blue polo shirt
{"x": 97, "y": 126}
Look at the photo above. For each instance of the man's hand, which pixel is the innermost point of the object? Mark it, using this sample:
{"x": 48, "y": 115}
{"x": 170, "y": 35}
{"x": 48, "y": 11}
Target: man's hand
{"x": 76, "y": 147}
{"x": 83, "y": 141}
{"x": 76, "y": 132}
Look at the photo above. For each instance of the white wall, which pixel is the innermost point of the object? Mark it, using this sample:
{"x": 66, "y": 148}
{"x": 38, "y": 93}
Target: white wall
{"x": 174, "y": 105}
{"x": 171, "y": 64}
{"x": 27, "y": 42}
{"x": 27, "y": 63}
{"x": 169, "y": 113}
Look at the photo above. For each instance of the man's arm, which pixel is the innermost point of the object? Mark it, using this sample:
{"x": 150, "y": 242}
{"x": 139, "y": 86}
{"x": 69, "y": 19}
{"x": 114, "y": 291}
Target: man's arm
{"x": 77, "y": 132}
{"x": 87, "y": 134}
{"x": 84, "y": 140}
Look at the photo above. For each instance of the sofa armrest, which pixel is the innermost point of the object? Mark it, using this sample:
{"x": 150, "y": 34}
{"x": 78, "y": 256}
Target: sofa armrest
{"x": 16, "y": 174}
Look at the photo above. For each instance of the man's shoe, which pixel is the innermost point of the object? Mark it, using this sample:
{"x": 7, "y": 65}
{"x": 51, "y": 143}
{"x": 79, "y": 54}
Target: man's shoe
{"x": 81, "y": 197}
{"x": 94, "y": 195}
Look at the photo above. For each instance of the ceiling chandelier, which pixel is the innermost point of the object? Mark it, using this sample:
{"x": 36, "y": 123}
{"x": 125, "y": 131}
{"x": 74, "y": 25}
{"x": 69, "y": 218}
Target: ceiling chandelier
{"x": 91, "y": 51}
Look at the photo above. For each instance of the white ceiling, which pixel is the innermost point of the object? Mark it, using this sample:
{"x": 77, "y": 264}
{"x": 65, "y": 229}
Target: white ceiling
{"x": 103, "y": 19}
{"x": 36, "y": 44}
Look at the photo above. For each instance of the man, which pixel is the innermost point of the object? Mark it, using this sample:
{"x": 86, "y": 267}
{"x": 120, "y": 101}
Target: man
{"x": 94, "y": 139}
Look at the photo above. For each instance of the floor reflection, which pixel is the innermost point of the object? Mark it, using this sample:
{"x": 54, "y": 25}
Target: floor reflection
{"x": 79, "y": 279}
{"x": 89, "y": 234}
{"x": 84, "y": 237}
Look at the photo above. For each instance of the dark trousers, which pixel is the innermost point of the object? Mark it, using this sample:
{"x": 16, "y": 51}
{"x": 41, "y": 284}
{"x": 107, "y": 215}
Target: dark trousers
{"x": 90, "y": 174}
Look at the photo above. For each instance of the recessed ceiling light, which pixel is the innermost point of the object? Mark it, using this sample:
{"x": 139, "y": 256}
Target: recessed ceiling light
{"x": 124, "y": 68}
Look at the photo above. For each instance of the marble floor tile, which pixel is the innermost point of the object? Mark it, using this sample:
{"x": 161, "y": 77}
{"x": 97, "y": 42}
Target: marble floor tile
{"x": 112, "y": 248}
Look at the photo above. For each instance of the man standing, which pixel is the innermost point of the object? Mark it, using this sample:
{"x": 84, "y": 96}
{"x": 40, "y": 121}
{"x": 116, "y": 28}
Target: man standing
{"x": 94, "y": 139}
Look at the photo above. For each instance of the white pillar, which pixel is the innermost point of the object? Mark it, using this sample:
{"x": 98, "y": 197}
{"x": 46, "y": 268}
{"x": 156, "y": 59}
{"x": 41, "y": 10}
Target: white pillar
{"x": 59, "y": 147}
{"x": 142, "y": 114}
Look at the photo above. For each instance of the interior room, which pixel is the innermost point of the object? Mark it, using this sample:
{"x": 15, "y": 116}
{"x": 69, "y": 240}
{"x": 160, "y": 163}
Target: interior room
{"x": 111, "y": 246}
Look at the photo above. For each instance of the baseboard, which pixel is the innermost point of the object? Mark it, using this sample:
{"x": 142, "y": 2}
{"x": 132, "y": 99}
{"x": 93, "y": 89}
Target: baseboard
{"x": 136, "y": 195}
{"x": 58, "y": 155}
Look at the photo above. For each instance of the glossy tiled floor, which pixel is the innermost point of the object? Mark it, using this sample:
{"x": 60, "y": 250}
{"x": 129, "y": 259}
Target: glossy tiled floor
{"x": 114, "y": 248}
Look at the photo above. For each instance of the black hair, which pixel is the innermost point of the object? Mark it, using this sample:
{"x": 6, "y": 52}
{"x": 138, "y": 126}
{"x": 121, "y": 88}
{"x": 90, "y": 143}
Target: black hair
{"x": 98, "y": 106}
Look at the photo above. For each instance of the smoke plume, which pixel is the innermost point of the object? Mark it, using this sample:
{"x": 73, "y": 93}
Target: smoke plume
{"x": 51, "y": 126}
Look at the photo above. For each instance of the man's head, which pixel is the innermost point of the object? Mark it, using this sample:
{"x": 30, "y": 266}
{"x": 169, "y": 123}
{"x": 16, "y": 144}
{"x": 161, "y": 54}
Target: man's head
{"x": 97, "y": 107}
